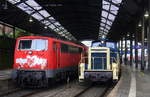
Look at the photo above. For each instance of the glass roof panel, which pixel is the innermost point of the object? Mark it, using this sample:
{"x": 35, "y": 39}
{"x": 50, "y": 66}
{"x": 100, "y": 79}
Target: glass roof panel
{"x": 104, "y": 13}
{"x": 117, "y": 1}
{"x": 25, "y": 8}
{"x": 44, "y": 13}
{"x": 63, "y": 34}
{"x": 33, "y": 4}
{"x": 111, "y": 17}
{"x": 105, "y": 2}
{"x": 57, "y": 24}
{"x": 52, "y": 26}
{"x": 46, "y": 22}
{"x": 106, "y": 5}
{"x": 37, "y": 16}
{"x": 56, "y": 29}
{"x": 60, "y": 32}
{"x": 67, "y": 34}
{"x": 101, "y": 31}
{"x": 114, "y": 8}
{"x": 13, "y": 1}
{"x": 114, "y": 12}
{"x": 103, "y": 20}
{"x": 105, "y": 30}
{"x": 107, "y": 27}
{"x": 61, "y": 27}
{"x": 102, "y": 24}
{"x": 109, "y": 22}
{"x": 52, "y": 19}
{"x": 108, "y": 17}
{"x": 65, "y": 31}
{"x": 102, "y": 28}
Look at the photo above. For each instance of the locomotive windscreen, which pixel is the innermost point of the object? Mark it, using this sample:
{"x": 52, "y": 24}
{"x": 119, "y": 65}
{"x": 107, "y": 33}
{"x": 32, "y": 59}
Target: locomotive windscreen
{"x": 35, "y": 44}
{"x": 98, "y": 60}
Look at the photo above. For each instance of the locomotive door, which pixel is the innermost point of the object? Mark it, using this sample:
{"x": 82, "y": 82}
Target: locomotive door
{"x": 58, "y": 54}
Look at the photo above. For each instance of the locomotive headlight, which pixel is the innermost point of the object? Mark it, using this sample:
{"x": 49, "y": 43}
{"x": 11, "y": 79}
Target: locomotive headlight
{"x": 114, "y": 65}
{"x": 30, "y": 52}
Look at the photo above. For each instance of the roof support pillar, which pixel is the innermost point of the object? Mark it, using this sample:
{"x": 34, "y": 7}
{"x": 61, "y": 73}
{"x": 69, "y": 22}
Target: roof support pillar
{"x": 125, "y": 57}
{"x": 131, "y": 50}
{"x": 146, "y": 45}
{"x": 121, "y": 49}
{"x": 136, "y": 45}
{"x": 143, "y": 49}
{"x": 148, "y": 38}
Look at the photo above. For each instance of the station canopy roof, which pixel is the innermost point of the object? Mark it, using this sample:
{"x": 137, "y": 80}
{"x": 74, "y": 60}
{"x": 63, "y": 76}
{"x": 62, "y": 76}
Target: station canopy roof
{"x": 73, "y": 19}
{"x": 109, "y": 12}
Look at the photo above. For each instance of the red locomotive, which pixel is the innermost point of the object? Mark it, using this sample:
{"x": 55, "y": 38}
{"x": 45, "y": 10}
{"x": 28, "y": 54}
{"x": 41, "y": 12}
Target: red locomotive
{"x": 39, "y": 59}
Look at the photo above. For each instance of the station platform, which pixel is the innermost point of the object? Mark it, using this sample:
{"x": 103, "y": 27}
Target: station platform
{"x": 5, "y": 80}
{"x": 133, "y": 83}
{"x": 5, "y": 74}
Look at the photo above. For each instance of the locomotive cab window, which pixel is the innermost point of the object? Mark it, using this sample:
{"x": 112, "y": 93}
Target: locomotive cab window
{"x": 35, "y": 44}
{"x": 25, "y": 44}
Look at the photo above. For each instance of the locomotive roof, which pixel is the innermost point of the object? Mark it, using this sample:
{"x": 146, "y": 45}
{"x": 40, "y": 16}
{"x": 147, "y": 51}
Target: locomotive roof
{"x": 46, "y": 37}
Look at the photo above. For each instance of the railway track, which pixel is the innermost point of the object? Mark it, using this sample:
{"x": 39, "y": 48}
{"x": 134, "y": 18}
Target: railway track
{"x": 20, "y": 93}
{"x": 57, "y": 91}
{"x": 77, "y": 90}
{"x": 72, "y": 90}
{"x": 9, "y": 92}
{"x": 66, "y": 90}
{"x": 95, "y": 91}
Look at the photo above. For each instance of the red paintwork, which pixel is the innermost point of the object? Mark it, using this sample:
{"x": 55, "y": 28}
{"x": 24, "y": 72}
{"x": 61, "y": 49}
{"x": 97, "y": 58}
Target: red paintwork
{"x": 53, "y": 61}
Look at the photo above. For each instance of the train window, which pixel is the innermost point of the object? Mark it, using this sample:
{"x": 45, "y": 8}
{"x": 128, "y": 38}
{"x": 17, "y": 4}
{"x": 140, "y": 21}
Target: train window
{"x": 80, "y": 50}
{"x": 39, "y": 44}
{"x": 64, "y": 48}
{"x": 35, "y": 44}
{"x": 25, "y": 44}
{"x": 73, "y": 49}
{"x": 54, "y": 46}
{"x": 70, "y": 49}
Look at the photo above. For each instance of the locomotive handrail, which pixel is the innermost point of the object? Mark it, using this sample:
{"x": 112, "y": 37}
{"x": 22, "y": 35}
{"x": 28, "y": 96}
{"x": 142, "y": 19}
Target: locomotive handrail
{"x": 113, "y": 58}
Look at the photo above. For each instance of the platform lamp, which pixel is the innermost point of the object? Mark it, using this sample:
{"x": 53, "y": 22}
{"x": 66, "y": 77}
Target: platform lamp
{"x": 45, "y": 27}
{"x": 140, "y": 24}
{"x": 146, "y": 15}
{"x": 30, "y": 19}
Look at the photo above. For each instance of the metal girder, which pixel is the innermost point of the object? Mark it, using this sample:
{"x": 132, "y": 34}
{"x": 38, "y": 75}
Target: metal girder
{"x": 109, "y": 12}
{"x": 110, "y": 1}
